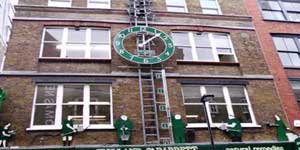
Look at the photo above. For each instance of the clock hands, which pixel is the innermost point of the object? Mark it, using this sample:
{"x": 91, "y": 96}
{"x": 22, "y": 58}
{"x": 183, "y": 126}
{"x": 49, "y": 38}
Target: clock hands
{"x": 145, "y": 42}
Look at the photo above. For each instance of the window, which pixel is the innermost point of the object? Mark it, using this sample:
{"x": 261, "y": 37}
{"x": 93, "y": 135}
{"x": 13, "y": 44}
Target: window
{"x": 231, "y": 100}
{"x": 288, "y": 50}
{"x": 280, "y": 10}
{"x": 60, "y": 3}
{"x": 216, "y": 47}
{"x": 176, "y": 6}
{"x": 76, "y": 43}
{"x": 210, "y": 7}
{"x": 98, "y": 4}
{"x": 90, "y": 106}
{"x": 296, "y": 89}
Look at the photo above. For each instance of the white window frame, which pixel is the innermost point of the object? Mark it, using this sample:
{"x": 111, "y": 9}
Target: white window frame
{"x": 185, "y": 7}
{"x": 228, "y": 105}
{"x": 58, "y": 3}
{"x": 212, "y": 44}
{"x": 59, "y": 104}
{"x": 88, "y": 43}
{"x": 90, "y": 5}
{"x": 218, "y": 7}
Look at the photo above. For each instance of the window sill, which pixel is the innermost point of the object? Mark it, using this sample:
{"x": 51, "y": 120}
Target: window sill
{"x": 108, "y": 60}
{"x": 283, "y": 21}
{"x": 291, "y": 67}
{"x": 191, "y": 62}
{"x": 215, "y": 126}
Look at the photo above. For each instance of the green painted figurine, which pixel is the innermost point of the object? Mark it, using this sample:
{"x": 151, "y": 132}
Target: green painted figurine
{"x": 178, "y": 129}
{"x": 281, "y": 129}
{"x": 67, "y": 131}
{"x": 124, "y": 127}
{"x": 234, "y": 129}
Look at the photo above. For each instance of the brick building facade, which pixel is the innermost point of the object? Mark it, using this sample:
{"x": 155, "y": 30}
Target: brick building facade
{"x": 59, "y": 58}
{"x": 282, "y": 28}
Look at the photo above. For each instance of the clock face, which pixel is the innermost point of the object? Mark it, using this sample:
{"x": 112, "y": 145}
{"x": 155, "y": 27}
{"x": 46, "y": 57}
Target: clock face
{"x": 161, "y": 45}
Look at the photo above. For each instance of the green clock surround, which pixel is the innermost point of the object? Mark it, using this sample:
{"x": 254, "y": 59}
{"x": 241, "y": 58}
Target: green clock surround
{"x": 165, "y": 55}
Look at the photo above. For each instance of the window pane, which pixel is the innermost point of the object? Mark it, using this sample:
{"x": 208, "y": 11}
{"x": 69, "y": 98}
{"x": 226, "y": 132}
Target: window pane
{"x": 44, "y": 115}
{"x": 175, "y": 2}
{"x": 100, "y": 36}
{"x": 221, "y": 41}
{"x": 181, "y": 39}
{"x": 99, "y": 114}
{"x": 74, "y": 111}
{"x": 208, "y": 4}
{"x": 201, "y": 40}
{"x": 175, "y": 9}
{"x": 296, "y": 89}
{"x": 237, "y": 94}
{"x": 100, "y": 51}
{"x": 60, "y": 3}
{"x": 224, "y": 50}
{"x": 285, "y": 59}
{"x": 290, "y": 44}
{"x": 191, "y": 94}
{"x": 52, "y": 50}
{"x": 53, "y": 35}
{"x": 46, "y": 94}
{"x": 279, "y": 43}
{"x": 241, "y": 112}
{"x": 273, "y": 15}
{"x": 76, "y": 35}
{"x": 195, "y": 113}
{"x": 100, "y": 93}
{"x": 218, "y": 113}
{"x": 290, "y": 6}
{"x": 294, "y": 16}
{"x": 99, "y": 4}
{"x": 271, "y": 5}
{"x": 226, "y": 58}
{"x": 217, "y": 91}
{"x": 75, "y": 50}
{"x": 184, "y": 53}
{"x": 73, "y": 93}
{"x": 295, "y": 59}
{"x": 205, "y": 54}
{"x": 210, "y": 11}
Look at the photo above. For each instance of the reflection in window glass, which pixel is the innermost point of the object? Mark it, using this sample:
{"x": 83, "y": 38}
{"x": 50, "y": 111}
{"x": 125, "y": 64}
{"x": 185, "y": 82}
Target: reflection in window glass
{"x": 209, "y": 6}
{"x": 288, "y": 50}
{"x": 74, "y": 104}
{"x": 236, "y": 104}
{"x": 176, "y": 5}
{"x": 296, "y": 88}
{"x": 78, "y": 43}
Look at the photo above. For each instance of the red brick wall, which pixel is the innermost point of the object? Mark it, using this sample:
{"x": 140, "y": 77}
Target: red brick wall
{"x": 264, "y": 29}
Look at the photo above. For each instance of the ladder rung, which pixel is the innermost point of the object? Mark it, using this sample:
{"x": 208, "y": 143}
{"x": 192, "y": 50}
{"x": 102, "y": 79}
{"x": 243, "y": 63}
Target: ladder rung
{"x": 160, "y": 102}
{"x": 165, "y": 138}
{"x": 148, "y": 105}
{"x": 148, "y": 99}
{"x": 152, "y": 127}
{"x": 149, "y": 113}
{"x": 150, "y": 120}
{"x": 148, "y": 92}
{"x": 151, "y": 134}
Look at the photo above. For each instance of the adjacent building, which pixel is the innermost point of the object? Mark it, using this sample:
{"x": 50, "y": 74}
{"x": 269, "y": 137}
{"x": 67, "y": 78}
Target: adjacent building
{"x": 63, "y": 61}
{"x": 6, "y": 15}
{"x": 277, "y": 24}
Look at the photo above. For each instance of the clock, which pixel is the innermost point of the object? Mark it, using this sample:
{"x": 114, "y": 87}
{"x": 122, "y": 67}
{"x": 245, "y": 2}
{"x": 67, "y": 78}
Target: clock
{"x": 160, "y": 44}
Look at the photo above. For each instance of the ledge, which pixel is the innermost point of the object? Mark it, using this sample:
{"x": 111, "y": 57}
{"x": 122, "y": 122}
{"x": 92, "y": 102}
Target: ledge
{"x": 73, "y": 60}
{"x": 281, "y": 21}
{"x": 179, "y": 62}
